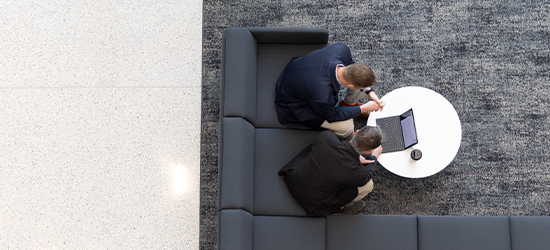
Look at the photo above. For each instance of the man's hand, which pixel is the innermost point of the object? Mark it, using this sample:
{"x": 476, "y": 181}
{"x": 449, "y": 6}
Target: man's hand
{"x": 364, "y": 161}
{"x": 377, "y": 151}
{"x": 381, "y": 104}
{"x": 370, "y": 107}
{"x": 375, "y": 98}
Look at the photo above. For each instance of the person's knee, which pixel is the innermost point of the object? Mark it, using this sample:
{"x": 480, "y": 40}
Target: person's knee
{"x": 364, "y": 190}
{"x": 343, "y": 134}
{"x": 343, "y": 129}
{"x": 346, "y": 134}
{"x": 347, "y": 129}
{"x": 369, "y": 187}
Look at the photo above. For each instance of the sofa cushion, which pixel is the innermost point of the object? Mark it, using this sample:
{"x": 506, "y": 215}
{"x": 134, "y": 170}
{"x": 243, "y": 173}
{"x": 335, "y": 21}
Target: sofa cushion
{"x": 272, "y": 60}
{"x": 287, "y": 233}
{"x": 377, "y": 232}
{"x": 530, "y": 233}
{"x": 275, "y": 148}
{"x": 464, "y": 232}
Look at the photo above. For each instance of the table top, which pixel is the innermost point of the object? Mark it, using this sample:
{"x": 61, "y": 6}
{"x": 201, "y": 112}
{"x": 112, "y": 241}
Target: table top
{"x": 438, "y": 129}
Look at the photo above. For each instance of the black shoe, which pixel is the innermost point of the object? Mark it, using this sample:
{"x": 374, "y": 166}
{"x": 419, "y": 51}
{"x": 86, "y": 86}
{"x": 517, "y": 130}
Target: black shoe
{"x": 351, "y": 209}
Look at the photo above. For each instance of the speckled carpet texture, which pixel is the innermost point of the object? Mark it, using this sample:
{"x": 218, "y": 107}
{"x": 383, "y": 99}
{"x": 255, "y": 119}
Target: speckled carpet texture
{"x": 490, "y": 59}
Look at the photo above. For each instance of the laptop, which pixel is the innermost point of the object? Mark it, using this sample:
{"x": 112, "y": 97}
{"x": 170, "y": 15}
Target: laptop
{"x": 398, "y": 132}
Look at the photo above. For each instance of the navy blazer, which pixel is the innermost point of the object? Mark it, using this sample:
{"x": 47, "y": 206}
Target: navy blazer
{"x": 307, "y": 90}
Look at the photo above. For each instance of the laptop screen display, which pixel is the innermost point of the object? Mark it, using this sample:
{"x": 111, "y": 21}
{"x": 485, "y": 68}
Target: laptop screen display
{"x": 409, "y": 131}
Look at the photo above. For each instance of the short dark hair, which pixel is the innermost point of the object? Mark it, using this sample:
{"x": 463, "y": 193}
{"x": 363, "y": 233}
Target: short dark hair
{"x": 360, "y": 75}
{"x": 366, "y": 139}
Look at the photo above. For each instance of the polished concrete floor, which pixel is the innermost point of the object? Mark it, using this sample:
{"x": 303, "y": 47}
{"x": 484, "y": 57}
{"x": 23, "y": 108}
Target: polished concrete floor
{"x": 100, "y": 124}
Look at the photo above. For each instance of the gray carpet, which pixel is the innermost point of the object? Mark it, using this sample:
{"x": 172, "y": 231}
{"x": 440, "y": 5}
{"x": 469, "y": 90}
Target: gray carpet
{"x": 490, "y": 59}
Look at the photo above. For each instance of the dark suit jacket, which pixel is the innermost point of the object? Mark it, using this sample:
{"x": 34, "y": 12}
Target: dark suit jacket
{"x": 307, "y": 90}
{"x": 325, "y": 175}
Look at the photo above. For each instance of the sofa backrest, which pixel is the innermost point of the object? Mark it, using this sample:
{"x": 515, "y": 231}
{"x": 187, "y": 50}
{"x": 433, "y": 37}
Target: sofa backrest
{"x": 253, "y": 145}
{"x": 384, "y": 232}
{"x": 464, "y": 232}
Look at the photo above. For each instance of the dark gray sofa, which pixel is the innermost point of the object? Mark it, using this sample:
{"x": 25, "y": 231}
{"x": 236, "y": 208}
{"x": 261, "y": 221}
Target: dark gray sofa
{"x": 255, "y": 209}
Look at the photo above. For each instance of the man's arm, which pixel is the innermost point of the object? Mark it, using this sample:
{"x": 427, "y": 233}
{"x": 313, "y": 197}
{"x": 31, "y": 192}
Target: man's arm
{"x": 335, "y": 114}
{"x": 344, "y": 113}
{"x": 376, "y": 153}
{"x": 375, "y": 98}
{"x": 370, "y": 163}
{"x": 370, "y": 107}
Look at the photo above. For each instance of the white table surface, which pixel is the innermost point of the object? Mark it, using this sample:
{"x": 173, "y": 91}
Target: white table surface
{"x": 437, "y": 126}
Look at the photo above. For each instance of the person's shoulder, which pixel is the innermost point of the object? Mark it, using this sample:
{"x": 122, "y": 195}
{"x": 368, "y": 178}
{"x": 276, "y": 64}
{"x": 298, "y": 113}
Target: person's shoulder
{"x": 339, "y": 49}
{"x": 328, "y": 136}
{"x": 341, "y": 46}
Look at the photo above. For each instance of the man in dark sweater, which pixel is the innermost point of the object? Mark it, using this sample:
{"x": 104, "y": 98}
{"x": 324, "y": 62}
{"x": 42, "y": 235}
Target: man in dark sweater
{"x": 332, "y": 175}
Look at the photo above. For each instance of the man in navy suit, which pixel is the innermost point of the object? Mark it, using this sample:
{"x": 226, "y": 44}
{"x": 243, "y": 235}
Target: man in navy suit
{"x": 307, "y": 91}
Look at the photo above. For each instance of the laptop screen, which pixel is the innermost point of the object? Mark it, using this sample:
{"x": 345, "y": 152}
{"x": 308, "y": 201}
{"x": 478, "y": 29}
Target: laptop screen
{"x": 409, "y": 131}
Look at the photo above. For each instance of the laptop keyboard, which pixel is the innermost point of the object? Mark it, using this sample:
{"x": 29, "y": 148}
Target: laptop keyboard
{"x": 391, "y": 129}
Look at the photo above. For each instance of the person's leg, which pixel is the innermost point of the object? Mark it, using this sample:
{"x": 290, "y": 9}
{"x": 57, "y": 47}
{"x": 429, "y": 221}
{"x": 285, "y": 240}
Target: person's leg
{"x": 363, "y": 191}
{"x": 342, "y": 129}
{"x": 352, "y": 95}
{"x": 357, "y": 204}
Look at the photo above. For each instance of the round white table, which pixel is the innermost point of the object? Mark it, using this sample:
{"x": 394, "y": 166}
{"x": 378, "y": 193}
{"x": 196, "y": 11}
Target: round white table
{"x": 437, "y": 127}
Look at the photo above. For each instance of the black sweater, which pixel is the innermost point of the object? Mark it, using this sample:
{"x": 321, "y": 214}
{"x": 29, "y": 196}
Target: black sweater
{"x": 326, "y": 174}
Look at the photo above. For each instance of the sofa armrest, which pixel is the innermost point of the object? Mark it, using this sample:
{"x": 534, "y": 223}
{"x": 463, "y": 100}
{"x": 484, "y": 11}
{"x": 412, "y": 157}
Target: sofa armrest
{"x": 238, "y": 74}
{"x": 236, "y": 164}
{"x": 290, "y": 35}
{"x": 236, "y": 230}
